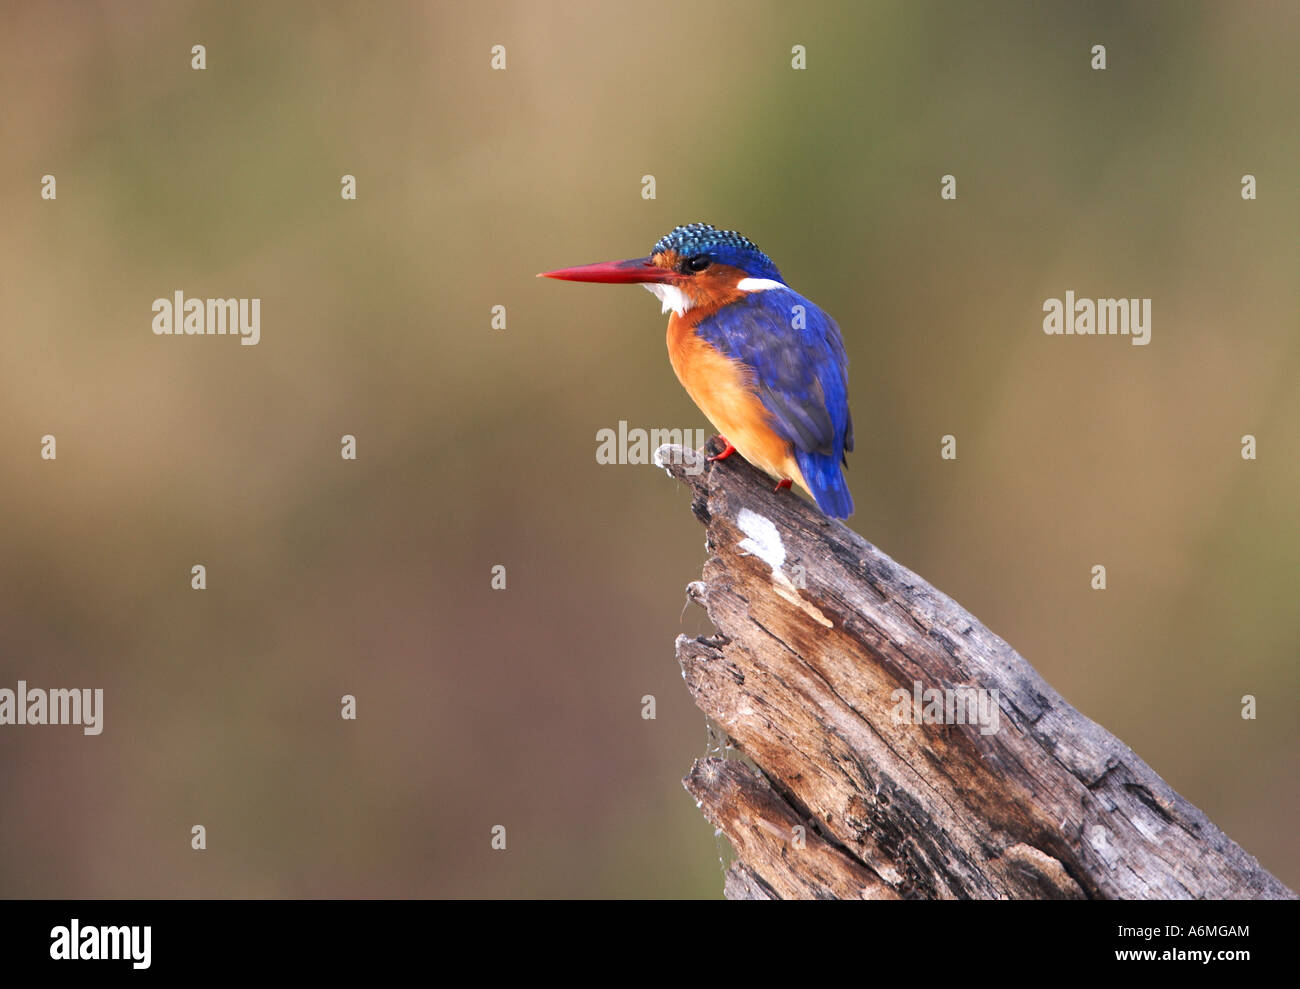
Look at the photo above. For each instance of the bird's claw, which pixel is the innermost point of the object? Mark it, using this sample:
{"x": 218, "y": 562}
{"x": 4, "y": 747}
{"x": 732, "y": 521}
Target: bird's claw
{"x": 725, "y": 453}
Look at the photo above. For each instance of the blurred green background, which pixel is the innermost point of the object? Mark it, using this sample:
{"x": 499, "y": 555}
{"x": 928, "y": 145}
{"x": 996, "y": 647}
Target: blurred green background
{"x": 477, "y": 446}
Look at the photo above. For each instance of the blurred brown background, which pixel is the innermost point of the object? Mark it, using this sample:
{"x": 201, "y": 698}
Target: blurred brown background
{"x": 476, "y": 447}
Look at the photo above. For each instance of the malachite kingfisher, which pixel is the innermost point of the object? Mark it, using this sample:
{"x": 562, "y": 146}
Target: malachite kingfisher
{"x": 764, "y": 365}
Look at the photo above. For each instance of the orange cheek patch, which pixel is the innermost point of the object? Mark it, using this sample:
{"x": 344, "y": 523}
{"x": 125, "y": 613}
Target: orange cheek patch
{"x": 666, "y": 259}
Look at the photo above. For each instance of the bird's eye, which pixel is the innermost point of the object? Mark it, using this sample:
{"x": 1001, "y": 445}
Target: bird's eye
{"x": 697, "y": 263}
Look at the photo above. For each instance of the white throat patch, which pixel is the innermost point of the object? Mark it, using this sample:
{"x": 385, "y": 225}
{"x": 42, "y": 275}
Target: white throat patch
{"x": 671, "y": 296}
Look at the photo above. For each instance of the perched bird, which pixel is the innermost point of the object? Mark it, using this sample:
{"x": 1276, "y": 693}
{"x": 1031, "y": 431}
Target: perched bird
{"x": 765, "y": 365}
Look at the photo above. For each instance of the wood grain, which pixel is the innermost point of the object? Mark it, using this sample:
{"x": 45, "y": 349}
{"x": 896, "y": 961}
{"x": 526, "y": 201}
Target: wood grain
{"x": 816, "y": 631}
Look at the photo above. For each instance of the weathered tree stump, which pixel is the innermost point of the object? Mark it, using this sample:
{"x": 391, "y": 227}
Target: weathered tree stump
{"x": 823, "y": 647}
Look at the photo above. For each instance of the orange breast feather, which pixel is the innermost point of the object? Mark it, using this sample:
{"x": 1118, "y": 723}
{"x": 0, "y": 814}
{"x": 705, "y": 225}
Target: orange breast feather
{"x": 723, "y": 390}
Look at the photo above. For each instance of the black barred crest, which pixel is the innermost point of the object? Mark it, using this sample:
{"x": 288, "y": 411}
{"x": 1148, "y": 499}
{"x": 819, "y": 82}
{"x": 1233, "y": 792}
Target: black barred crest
{"x": 724, "y": 245}
{"x": 700, "y": 238}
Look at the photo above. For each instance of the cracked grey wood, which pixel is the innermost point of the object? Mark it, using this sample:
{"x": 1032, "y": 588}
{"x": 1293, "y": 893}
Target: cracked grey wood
{"x": 801, "y": 677}
{"x": 780, "y": 855}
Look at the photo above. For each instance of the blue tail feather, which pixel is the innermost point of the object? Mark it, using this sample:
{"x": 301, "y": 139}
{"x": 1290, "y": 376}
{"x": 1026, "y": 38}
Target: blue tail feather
{"x": 826, "y": 481}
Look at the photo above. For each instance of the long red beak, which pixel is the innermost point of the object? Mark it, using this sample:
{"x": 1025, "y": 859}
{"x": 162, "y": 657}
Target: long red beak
{"x": 614, "y": 272}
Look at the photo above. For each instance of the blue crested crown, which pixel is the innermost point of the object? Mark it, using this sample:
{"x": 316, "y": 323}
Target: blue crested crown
{"x": 722, "y": 246}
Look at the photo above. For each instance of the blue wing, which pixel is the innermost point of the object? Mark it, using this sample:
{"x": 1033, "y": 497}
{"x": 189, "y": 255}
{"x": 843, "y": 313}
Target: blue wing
{"x": 801, "y": 377}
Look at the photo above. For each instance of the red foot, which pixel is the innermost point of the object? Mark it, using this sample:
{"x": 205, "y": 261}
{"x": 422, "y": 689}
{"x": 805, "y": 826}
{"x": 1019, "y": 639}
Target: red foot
{"x": 785, "y": 483}
{"x": 725, "y": 453}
